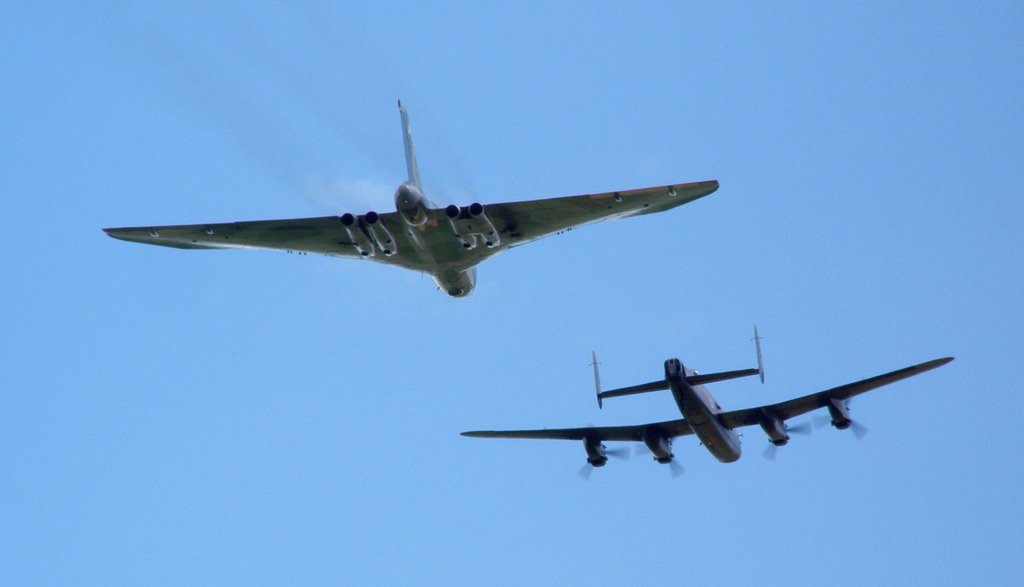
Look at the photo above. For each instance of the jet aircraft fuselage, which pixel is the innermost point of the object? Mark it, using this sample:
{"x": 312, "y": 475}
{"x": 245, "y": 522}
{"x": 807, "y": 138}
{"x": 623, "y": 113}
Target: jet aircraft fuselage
{"x": 445, "y": 243}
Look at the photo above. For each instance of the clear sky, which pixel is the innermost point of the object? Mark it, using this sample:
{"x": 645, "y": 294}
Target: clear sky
{"x": 219, "y": 417}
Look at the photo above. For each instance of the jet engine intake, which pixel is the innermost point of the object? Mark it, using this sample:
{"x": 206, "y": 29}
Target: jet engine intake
{"x": 355, "y": 233}
{"x": 471, "y": 222}
{"x": 380, "y": 234}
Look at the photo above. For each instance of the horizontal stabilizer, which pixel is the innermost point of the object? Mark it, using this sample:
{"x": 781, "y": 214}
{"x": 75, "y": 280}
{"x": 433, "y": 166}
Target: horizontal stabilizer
{"x": 662, "y": 384}
{"x": 723, "y": 376}
{"x": 659, "y": 385}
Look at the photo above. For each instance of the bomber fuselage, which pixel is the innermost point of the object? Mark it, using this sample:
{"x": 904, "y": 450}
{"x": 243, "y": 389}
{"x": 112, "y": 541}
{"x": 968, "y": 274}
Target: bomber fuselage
{"x": 701, "y": 412}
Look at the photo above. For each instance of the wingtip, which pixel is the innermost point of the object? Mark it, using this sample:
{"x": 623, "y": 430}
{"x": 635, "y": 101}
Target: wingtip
{"x": 705, "y": 188}
{"x": 934, "y": 364}
{"x": 126, "y": 234}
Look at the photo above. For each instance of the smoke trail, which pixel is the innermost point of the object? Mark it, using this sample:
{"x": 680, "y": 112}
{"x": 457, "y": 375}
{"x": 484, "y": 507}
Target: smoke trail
{"x": 270, "y": 102}
{"x": 356, "y": 196}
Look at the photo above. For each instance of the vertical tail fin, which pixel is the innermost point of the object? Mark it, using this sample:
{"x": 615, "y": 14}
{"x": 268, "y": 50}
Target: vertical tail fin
{"x": 760, "y": 362}
{"x": 597, "y": 379}
{"x": 410, "y": 151}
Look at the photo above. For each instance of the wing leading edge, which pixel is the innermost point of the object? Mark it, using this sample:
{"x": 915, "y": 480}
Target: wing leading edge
{"x": 527, "y": 221}
{"x": 312, "y": 235}
{"x": 431, "y": 247}
{"x": 518, "y": 222}
{"x": 808, "y": 403}
{"x": 670, "y": 428}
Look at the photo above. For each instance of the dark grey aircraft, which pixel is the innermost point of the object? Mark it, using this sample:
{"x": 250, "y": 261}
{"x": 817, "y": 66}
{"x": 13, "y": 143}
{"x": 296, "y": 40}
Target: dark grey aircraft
{"x": 447, "y": 243}
{"x": 703, "y": 416}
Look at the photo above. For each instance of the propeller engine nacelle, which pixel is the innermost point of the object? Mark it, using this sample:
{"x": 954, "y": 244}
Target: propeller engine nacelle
{"x": 471, "y": 222}
{"x": 775, "y": 428}
{"x": 840, "y": 413}
{"x": 659, "y": 444}
{"x": 597, "y": 454}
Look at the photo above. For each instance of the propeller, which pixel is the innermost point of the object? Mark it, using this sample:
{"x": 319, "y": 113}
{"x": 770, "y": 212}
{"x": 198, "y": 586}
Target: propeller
{"x": 621, "y": 453}
{"x": 859, "y": 430}
{"x": 803, "y": 428}
{"x": 673, "y": 465}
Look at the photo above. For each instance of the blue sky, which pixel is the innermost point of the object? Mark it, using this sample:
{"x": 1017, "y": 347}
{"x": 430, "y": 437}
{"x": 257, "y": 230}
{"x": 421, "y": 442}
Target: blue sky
{"x": 176, "y": 417}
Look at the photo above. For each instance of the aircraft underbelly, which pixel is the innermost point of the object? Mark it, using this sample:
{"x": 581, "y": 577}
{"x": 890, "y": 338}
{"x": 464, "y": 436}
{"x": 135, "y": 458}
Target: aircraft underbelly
{"x": 432, "y": 249}
{"x": 719, "y": 440}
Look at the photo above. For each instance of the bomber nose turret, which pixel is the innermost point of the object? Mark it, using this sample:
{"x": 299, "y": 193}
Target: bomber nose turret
{"x": 674, "y": 369}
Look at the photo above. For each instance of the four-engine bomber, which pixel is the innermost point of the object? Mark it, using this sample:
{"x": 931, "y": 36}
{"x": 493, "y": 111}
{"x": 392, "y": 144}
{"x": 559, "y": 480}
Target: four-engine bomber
{"x": 704, "y": 418}
{"x": 446, "y": 243}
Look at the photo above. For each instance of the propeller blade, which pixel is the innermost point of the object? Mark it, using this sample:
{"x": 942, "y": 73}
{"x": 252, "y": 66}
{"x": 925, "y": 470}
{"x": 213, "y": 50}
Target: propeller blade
{"x": 770, "y": 451}
{"x": 676, "y": 468}
{"x": 801, "y": 428}
{"x": 619, "y": 453}
{"x": 586, "y": 471}
{"x": 859, "y": 430}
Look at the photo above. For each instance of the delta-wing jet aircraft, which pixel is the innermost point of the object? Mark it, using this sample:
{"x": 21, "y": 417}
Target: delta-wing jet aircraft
{"x": 703, "y": 417}
{"x": 447, "y": 243}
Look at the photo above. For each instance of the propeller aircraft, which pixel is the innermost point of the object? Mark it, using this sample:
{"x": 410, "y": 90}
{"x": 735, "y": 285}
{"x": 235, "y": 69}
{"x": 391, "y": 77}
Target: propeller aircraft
{"x": 703, "y": 417}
